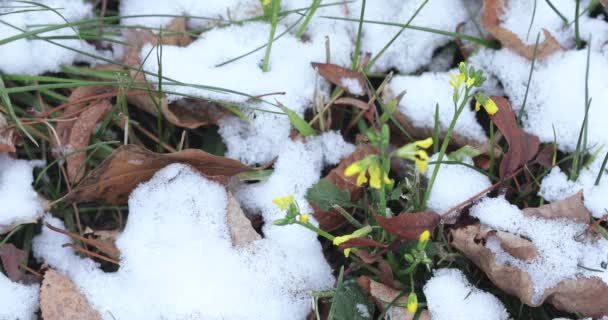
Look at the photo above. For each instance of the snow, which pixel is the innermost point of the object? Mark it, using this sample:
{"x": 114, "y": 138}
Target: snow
{"x": 556, "y": 98}
{"x": 560, "y": 255}
{"x": 454, "y": 184}
{"x": 363, "y": 310}
{"x": 258, "y": 139}
{"x": 177, "y": 260}
{"x": 32, "y": 56}
{"x": 17, "y": 301}
{"x": 450, "y": 296}
{"x": 352, "y": 85}
{"x": 20, "y": 202}
{"x": 423, "y": 93}
{"x": 556, "y": 186}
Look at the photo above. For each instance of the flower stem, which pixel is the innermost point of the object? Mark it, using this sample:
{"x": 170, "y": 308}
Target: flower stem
{"x": 316, "y": 230}
{"x": 276, "y": 5}
{"x": 311, "y": 12}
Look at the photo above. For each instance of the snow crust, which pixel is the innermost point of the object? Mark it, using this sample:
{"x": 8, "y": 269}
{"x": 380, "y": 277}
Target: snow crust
{"x": 454, "y": 184}
{"x": 20, "y": 202}
{"x": 177, "y": 258}
{"x": 560, "y": 255}
{"x": 17, "y": 301}
{"x": 34, "y": 56}
{"x": 450, "y": 296}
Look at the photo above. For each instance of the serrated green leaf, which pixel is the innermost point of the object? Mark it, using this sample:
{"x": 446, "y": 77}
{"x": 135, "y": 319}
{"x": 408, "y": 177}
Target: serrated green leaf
{"x": 326, "y": 194}
{"x": 350, "y": 303}
{"x": 303, "y": 127}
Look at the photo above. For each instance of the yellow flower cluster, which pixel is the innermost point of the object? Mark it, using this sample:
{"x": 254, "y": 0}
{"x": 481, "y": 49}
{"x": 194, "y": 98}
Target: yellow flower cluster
{"x": 356, "y": 234}
{"x": 368, "y": 166}
{"x": 415, "y": 151}
{"x": 283, "y": 202}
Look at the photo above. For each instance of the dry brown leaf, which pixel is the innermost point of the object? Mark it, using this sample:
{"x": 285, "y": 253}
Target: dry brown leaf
{"x": 331, "y": 219}
{"x": 517, "y": 246}
{"x": 385, "y": 295}
{"x": 545, "y": 156}
{"x": 493, "y": 11}
{"x": 115, "y": 178}
{"x": 242, "y": 232}
{"x": 104, "y": 241}
{"x": 191, "y": 114}
{"x": 60, "y": 299}
{"x": 588, "y": 296}
{"x": 572, "y": 207}
{"x": 7, "y": 136}
{"x": 409, "y": 226}
{"x": 337, "y": 75}
{"x": 523, "y": 146}
{"x": 11, "y": 259}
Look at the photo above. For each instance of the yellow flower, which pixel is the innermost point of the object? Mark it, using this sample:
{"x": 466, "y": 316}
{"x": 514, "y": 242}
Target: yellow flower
{"x": 424, "y": 144}
{"x": 487, "y": 103}
{"x": 374, "y": 176}
{"x": 353, "y": 169}
{"x": 412, "y": 303}
{"x": 304, "y": 218}
{"x": 266, "y": 3}
{"x": 341, "y": 239}
{"x": 470, "y": 82}
{"x": 361, "y": 179}
{"x": 491, "y": 107}
{"x": 421, "y": 164}
{"x": 356, "y": 234}
{"x": 424, "y": 236}
{"x": 283, "y": 202}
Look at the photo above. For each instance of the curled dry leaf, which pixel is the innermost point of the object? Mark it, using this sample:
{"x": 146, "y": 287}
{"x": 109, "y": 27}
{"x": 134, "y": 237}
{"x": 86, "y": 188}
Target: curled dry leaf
{"x": 330, "y": 220}
{"x": 588, "y": 296}
{"x": 384, "y": 295}
{"x": 523, "y": 146}
{"x": 409, "y": 226}
{"x": 493, "y": 11}
{"x": 115, "y": 178}
{"x": 104, "y": 241}
{"x": 241, "y": 231}
{"x": 60, "y": 299}
{"x": 7, "y": 136}
{"x": 351, "y": 81}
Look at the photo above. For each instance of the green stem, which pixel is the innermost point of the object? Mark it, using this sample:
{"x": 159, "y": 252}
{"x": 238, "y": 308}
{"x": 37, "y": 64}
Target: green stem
{"x": 316, "y": 230}
{"x": 358, "y": 43}
{"x": 276, "y": 4}
{"x": 577, "y": 34}
{"x": 444, "y": 147}
{"x": 313, "y": 8}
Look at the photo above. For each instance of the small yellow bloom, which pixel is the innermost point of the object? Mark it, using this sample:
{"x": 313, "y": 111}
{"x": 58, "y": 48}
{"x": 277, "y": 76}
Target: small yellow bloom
{"x": 347, "y": 252}
{"x": 457, "y": 80}
{"x": 491, "y": 107}
{"x": 477, "y": 105}
{"x": 374, "y": 176}
{"x": 470, "y": 82}
{"x": 387, "y": 180}
{"x": 422, "y": 155}
{"x": 424, "y": 144}
{"x": 412, "y": 303}
{"x": 341, "y": 239}
{"x": 424, "y": 236}
{"x": 361, "y": 179}
{"x": 304, "y": 218}
{"x": 421, "y": 164}
{"x": 266, "y": 3}
{"x": 283, "y": 202}
{"x": 356, "y": 234}
{"x": 353, "y": 169}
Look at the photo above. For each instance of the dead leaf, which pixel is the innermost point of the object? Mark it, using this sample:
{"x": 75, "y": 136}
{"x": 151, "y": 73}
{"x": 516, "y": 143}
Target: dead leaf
{"x": 588, "y": 296}
{"x": 523, "y": 146}
{"x": 115, "y": 178}
{"x": 353, "y": 102}
{"x": 572, "y": 208}
{"x": 60, "y": 299}
{"x": 331, "y": 219}
{"x": 11, "y": 259}
{"x": 242, "y": 232}
{"x": 517, "y": 246}
{"x": 409, "y": 226}
{"x": 338, "y": 75}
{"x": 493, "y": 11}
{"x": 104, "y": 241}
{"x": 545, "y": 156}
{"x": 385, "y": 295}
{"x": 7, "y": 136}
{"x": 191, "y": 114}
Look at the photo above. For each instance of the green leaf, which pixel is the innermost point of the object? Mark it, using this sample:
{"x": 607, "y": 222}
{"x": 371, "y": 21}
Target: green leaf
{"x": 303, "y": 127}
{"x": 326, "y": 194}
{"x": 350, "y": 303}
{"x": 460, "y": 154}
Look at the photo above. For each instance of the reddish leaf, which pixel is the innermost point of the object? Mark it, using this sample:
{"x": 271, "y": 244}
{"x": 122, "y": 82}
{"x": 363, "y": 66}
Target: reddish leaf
{"x": 545, "y": 156}
{"x": 522, "y": 145}
{"x": 493, "y": 11}
{"x": 338, "y": 75}
{"x": 386, "y": 273}
{"x": 409, "y": 226}
{"x": 11, "y": 258}
{"x": 129, "y": 165}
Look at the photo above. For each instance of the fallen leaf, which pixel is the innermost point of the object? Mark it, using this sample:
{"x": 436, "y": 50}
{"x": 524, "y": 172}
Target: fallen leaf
{"x": 545, "y": 156}
{"x": 330, "y": 220}
{"x": 385, "y": 295}
{"x": 11, "y": 259}
{"x": 115, "y": 178}
{"x": 588, "y": 296}
{"x": 341, "y": 77}
{"x": 523, "y": 146}
{"x": 572, "y": 208}
{"x": 353, "y": 102}
{"x": 7, "y": 136}
{"x": 242, "y": 232}
{"x": 104, "y": 241}
{"x": 60, "y": 299}
{"x": 516, "y": 246}
{"x": 493, "y": 11}
{"x": 191, "y": 113}
{"x": 409, "y": 226}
